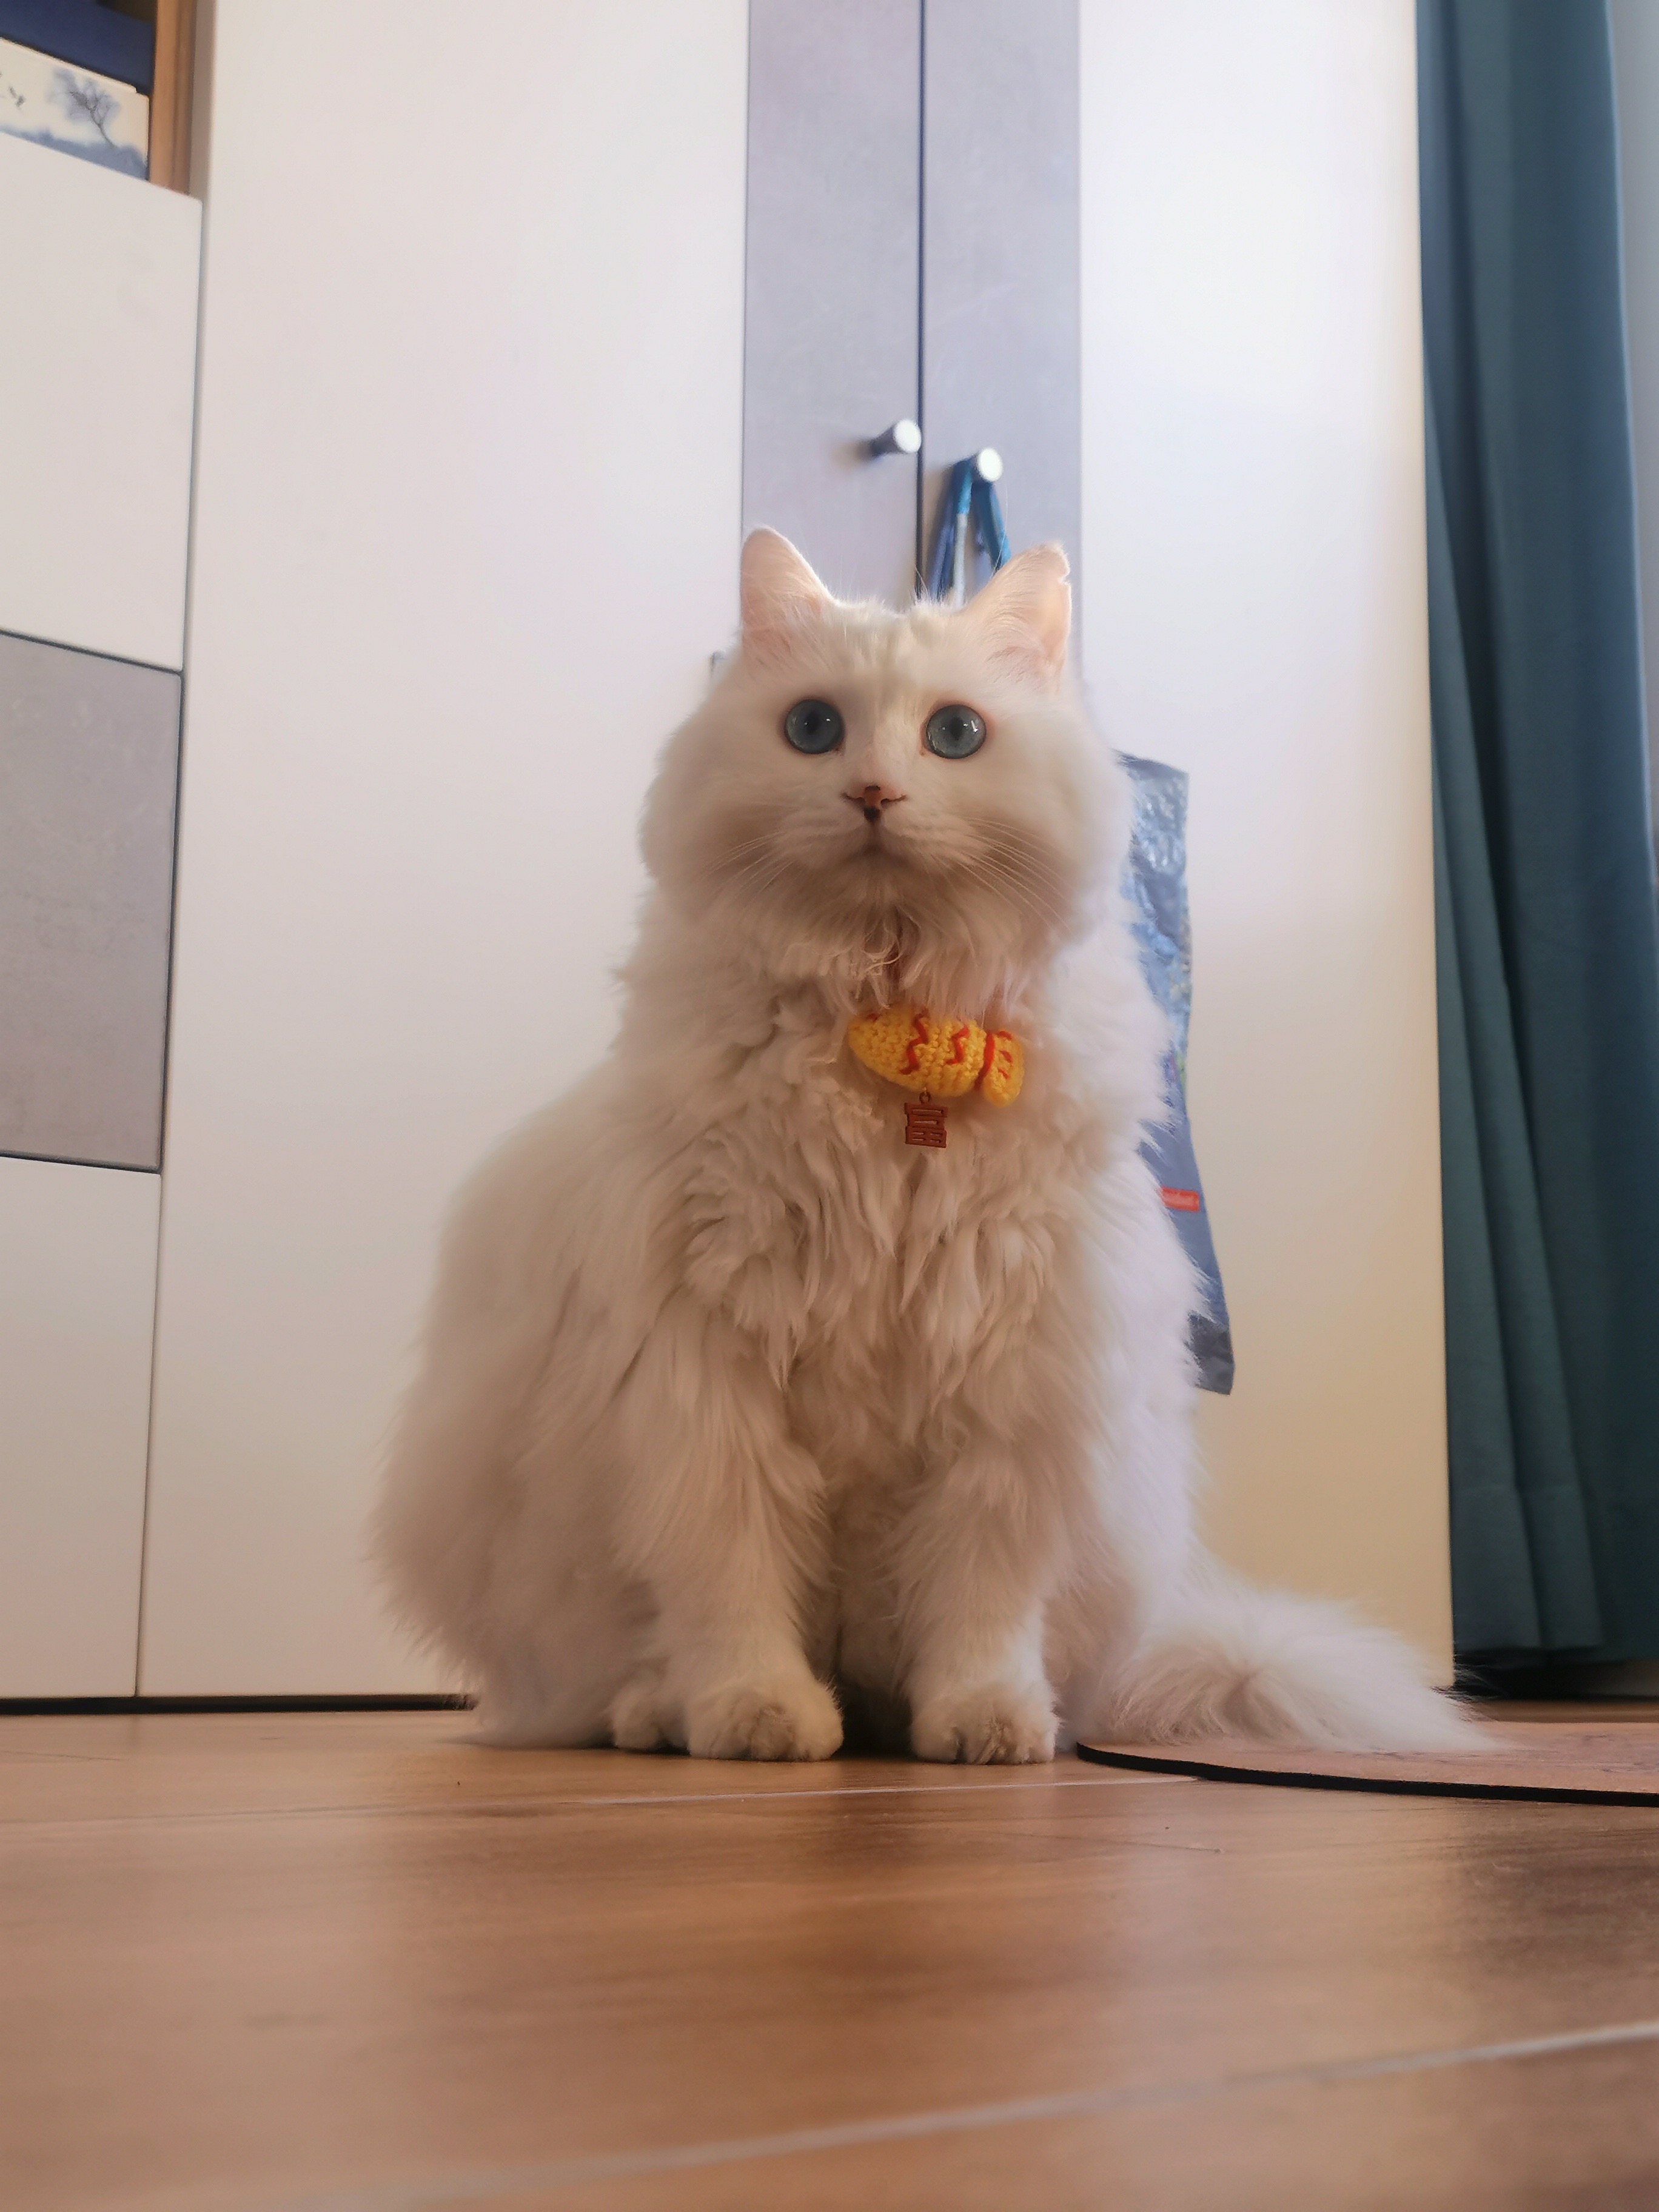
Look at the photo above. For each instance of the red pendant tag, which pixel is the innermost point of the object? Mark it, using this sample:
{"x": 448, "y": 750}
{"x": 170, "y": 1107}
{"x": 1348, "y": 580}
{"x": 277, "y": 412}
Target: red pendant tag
{"x": 924, "y": 1122}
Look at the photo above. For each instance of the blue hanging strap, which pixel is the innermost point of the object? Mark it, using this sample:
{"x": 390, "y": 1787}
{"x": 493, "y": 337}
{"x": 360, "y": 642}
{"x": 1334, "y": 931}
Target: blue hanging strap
{"x": 988, "y": 520}
{"x": 970, "y": 502}
{"x": 953, "y": 511}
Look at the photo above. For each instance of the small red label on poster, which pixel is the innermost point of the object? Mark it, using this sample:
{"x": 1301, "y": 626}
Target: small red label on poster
{"x": 1183, "y": 1201}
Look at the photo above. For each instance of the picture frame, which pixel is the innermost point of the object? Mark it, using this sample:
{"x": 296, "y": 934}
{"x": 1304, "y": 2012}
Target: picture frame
{"x": 105, "y": 81}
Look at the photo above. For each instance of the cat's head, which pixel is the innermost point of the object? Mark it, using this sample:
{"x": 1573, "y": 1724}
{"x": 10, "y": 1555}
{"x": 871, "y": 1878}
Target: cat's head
{"x": 914, "y": 797}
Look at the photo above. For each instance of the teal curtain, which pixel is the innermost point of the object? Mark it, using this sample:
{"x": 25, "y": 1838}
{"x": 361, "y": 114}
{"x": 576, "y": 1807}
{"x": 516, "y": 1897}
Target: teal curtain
{"x": 1548, "y": 950}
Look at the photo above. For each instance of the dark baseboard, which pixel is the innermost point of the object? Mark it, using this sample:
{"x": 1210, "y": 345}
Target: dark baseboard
{"x": 343, "y": 1704}
{"x": 1578, "y": 1683}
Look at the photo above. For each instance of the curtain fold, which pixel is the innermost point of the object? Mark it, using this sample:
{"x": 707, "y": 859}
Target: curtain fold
{"x": 1548, "y": 935}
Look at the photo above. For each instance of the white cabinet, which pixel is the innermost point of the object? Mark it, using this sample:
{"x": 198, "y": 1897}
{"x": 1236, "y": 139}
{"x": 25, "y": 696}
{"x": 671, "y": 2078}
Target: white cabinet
{"x": 466, "y": 532}
{"x": 97, "y": 368}
{"x": 912, "y": 251}
{"x": 1256, "y": 613}
{"x": 97, "y": 374}
{"x": 78, "y": 1286}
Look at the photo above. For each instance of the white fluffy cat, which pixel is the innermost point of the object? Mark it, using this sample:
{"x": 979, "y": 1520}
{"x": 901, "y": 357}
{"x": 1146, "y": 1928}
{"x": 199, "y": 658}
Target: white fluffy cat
{"x": 735, "y": 1409}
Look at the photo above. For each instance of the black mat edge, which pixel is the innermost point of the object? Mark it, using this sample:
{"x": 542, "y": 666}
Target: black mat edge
{"x": 1203, "y": 1770}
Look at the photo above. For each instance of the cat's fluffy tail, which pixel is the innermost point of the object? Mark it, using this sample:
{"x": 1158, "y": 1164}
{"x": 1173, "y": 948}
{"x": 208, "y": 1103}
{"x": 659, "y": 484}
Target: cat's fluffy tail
{"x": 1234, "y": 1661}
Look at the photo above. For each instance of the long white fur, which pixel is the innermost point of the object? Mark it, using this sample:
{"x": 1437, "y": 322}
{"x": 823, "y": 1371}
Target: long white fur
{"x": 733, "y": 1407}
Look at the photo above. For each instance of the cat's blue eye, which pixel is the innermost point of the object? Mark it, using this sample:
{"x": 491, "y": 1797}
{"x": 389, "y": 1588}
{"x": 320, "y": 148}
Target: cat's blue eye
{"x": 955, "y": 731}
{"x": 813, "y": 725}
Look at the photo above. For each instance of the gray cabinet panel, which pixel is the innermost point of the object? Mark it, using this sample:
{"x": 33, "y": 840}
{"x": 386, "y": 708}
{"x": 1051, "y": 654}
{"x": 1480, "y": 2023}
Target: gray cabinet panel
{"x": 88, "y": 773}
{"x": 829, "y": 351}
{"x": 1000, "y": 257}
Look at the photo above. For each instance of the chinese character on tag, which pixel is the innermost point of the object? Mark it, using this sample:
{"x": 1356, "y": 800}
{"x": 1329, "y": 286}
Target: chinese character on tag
{"x": 924, "y": 1122}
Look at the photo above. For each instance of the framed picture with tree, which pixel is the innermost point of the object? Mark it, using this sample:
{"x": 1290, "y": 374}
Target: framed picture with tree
{"x": 105, "y": 81}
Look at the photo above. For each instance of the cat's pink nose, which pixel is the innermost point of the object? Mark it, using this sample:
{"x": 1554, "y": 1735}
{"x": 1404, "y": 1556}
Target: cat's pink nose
{"x": 871, "y": 798}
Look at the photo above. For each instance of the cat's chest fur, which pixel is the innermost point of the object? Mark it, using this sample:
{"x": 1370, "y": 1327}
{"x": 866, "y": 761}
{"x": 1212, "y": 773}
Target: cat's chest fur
{"x": 868, "y": 1271}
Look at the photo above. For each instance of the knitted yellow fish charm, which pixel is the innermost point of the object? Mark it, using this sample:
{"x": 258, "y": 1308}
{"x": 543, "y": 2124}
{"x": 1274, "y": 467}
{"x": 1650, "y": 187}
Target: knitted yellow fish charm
{"x": 940, "y": 1056}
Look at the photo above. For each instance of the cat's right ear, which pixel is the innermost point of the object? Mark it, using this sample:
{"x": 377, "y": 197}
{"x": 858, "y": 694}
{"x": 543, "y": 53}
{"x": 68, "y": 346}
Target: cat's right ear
{"x": 781, "y": 595}
{"x": 1024, "y": 612}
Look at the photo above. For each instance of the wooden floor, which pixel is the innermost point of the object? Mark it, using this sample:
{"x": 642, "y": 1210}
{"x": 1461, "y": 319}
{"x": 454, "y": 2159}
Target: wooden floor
{"x": 350, "y": 1963}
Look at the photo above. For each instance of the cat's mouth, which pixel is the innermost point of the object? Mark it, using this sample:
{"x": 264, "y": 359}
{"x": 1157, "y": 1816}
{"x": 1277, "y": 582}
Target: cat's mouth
{"x": 880, "y": 846}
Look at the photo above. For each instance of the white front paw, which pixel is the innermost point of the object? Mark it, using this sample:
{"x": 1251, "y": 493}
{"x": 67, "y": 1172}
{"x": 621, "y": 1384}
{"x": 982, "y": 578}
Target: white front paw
{"x": 638, "y": 1717}
{"x": 998, "y": 1724}
{"x": 794, "y": 1717}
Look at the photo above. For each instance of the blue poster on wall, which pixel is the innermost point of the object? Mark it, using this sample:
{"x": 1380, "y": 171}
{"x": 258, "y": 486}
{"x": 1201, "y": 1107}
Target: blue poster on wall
{"x": 1155, "y": 880}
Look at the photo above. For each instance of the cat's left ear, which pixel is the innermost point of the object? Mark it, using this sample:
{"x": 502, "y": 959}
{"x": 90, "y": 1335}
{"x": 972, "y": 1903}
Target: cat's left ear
{"x": 1025, "y": 613}
{"x": 781, "y": 595}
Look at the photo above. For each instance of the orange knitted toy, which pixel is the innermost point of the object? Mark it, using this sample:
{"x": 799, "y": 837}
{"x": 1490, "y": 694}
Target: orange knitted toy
{"x": 947, "y": 1057}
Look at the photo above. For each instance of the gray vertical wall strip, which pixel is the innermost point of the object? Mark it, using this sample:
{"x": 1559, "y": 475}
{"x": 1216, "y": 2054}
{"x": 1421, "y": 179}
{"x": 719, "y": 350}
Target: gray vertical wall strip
{"x": 1000, "y": 306}
{"x": 830, "y": 336}
{"x": 88, "y": 776}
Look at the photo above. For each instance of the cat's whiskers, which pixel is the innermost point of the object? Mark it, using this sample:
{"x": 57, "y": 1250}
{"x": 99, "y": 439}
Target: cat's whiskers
{"x": 1026, "y": 892}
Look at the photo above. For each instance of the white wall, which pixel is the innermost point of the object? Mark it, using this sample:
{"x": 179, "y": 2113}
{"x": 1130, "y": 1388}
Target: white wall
{"x": 1636, "y": 76}
{"x": 466, "y": 534}
{"x": 1253, "y": 531}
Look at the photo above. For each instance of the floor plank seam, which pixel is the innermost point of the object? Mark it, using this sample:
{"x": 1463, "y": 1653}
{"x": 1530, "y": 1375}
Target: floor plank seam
{"x": 498, "y": 1807}
{"x": 485, "y": 2184}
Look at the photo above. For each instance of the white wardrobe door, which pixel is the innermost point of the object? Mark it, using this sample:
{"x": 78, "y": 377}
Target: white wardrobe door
{"x": 831, "y": 330}
{"x": 1000, "y": 259}
{"x": 1253, "y": 526}
{"x": 467, "y": 514}
{"x": 97, "y": 375}
{"x": 78, "y": 1290}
